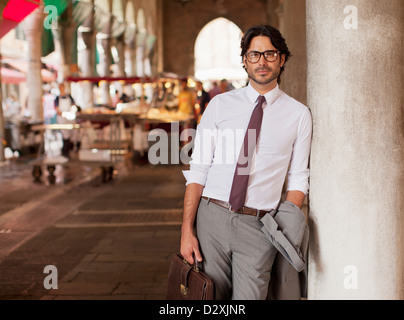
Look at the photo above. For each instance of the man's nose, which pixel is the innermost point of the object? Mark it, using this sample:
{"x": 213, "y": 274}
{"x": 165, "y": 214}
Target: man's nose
{"x": 262, "y": 60}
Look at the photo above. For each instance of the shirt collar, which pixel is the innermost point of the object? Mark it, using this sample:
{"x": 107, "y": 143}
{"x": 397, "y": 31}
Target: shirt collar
{"x": 270, "y": 96}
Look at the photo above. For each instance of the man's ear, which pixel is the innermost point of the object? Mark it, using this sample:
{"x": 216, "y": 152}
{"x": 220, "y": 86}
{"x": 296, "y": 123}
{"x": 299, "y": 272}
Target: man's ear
{"x": 244, "y": 63}
{"x": 283, "y": 58}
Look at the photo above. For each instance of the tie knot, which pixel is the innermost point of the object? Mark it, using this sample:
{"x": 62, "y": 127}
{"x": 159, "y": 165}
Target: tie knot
{"x": 261, "y": 100}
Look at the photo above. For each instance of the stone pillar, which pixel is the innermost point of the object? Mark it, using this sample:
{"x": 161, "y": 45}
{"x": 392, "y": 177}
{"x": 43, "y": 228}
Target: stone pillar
{"x": 64, "y": 37}
{"x": 272, "y": 15}
{"x": 130, "y": 52}
{"x": 120, "y": 48}
{"x": 87, "y": 55}
{"x": 140, "y": 52}
{"x": 130, "y": 38}
{"x": 160, "y": 41}
{"x": 355, "y": 92}
{"x": 293, "y": 29}
{"x": 105, "y": 40}
{"x": 3, "y": 4}
{"x": 33, "y": 28}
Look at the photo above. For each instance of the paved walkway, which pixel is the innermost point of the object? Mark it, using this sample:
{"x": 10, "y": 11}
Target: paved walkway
{"x": 106, "y": 240}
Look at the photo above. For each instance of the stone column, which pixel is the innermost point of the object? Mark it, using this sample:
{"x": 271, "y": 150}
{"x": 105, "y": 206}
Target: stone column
{"x": 355, "y": 92}
{"x": 33, "y": 28}
{"x": 64, "y": 36}
{"x": 130, "y": 38}
{"x": 130, "y": 52}
{"x": 105, "y": 57}
{"x": 293, "y": 29}
{"x": 87, "y": 55}
{"x": 3, "y": 4}
{"x": 272, "y": 15}
{"x": 160, "y": 41}
{"x": 120, "y": 48}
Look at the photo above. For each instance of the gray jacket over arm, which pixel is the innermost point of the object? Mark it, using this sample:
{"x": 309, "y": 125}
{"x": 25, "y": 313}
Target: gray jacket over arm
{"x": 287, "y": 230}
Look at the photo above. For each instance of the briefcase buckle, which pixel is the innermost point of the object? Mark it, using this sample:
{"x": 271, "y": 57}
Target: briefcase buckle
{"x": 184, "y": 290}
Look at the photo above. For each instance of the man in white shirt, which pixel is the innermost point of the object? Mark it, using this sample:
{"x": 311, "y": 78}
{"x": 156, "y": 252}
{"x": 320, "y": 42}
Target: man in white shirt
{"x": 234, "y": 249}
{"x": 63, "y": 103}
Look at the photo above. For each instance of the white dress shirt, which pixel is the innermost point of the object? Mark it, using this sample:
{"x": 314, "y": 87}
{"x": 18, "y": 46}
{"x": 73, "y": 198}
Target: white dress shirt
{"x": 282, "y": 150}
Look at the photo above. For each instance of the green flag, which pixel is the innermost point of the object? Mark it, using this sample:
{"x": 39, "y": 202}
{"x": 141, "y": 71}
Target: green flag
{"x": 59, "y": 4}
{"x": 54, "y": 8}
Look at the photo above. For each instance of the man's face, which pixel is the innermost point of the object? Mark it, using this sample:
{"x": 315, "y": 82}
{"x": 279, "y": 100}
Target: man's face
{"x": 263, "y": 73}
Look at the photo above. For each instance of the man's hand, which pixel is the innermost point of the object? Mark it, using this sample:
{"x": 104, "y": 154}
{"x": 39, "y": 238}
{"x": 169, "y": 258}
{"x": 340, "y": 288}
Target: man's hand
{"x": 190, "y": 247}
{"x": 296, "y": 197}
{"x": 189, "y": 243}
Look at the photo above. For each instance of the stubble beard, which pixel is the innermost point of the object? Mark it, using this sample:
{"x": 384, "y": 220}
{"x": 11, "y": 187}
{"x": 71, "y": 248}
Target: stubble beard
{"x": 274, "y": 74}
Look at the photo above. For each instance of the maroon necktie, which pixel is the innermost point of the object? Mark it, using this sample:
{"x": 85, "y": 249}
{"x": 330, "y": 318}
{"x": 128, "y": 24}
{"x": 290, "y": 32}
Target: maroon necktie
{"x": 240, "y": 181}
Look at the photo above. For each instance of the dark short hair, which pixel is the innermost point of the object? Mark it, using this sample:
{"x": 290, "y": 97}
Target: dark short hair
{"x": 273, "y": 34}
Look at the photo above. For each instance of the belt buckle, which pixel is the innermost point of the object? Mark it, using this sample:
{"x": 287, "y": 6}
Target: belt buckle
{"x": 230, "y": 208}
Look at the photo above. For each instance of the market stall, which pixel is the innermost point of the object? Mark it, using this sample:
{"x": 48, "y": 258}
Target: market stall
{"x": 107, "y": 134}
{"x": 155, "y": 106}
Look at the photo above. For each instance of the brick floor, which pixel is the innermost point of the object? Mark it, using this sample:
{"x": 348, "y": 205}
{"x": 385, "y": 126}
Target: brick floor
{"x": 107, "y": 241}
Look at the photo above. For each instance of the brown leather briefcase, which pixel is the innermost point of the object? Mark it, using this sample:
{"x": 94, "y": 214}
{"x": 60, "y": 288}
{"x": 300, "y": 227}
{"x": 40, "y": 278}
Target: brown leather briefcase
{"x": 188, "y": 282}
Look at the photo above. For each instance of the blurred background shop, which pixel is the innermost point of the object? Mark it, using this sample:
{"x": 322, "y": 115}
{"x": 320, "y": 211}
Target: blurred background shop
{"x": 109, "y": 56}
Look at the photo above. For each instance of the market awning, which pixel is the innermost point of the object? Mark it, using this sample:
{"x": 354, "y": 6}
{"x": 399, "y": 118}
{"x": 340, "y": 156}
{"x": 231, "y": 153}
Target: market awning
{"x": 17, "y": 70}
{"x": 14, "y": 12}
{"x": 22, "y": 66}
{"x": 11, "y": 76}
{"x": 111, "y": 79}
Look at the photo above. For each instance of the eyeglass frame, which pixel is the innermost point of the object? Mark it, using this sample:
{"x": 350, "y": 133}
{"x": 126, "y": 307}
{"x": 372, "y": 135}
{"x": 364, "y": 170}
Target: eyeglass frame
{"x": 263, "y": 54}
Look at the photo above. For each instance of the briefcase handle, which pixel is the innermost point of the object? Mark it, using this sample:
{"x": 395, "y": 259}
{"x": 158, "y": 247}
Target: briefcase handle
{"x": 197, "y": 265}
{"x": 185, "y": 273}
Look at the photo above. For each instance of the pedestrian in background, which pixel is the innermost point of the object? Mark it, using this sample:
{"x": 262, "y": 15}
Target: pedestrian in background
{"x": 64, "y": 103}
{"x": 202, "y": 99}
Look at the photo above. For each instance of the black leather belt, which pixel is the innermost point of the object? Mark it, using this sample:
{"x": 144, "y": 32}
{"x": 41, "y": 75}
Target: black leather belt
{"x": 243, "y": 210}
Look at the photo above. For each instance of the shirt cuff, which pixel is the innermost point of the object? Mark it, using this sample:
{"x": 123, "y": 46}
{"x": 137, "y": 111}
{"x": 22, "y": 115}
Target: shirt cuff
{"x": 299, "y": 182}
{"x": 194, "y": 177}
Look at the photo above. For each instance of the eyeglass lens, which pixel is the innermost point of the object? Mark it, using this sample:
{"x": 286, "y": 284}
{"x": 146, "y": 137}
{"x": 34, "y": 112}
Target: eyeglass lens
{"x": 255, "y": 56}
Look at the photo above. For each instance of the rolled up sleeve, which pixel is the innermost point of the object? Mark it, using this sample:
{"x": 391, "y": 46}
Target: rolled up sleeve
{"x": 204, "y": 147}
{"x": 298, "y": 175}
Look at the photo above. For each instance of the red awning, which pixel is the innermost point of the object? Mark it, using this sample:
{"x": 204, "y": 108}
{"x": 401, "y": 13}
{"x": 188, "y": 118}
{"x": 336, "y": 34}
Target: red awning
{"x": 11, "y": 76}
{"x": 15, "y": 12}
{"x": 110, "y": 79}
{"x": 22, "y": 66}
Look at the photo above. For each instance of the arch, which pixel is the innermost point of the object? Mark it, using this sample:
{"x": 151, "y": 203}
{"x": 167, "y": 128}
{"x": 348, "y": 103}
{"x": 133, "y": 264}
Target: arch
{"x": 217, "y": 52}
{"x": 176, "y": 45}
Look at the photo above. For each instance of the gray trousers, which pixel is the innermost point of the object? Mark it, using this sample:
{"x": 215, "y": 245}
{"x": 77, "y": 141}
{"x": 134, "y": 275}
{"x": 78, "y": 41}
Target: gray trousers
{"x": 236, "y": 253}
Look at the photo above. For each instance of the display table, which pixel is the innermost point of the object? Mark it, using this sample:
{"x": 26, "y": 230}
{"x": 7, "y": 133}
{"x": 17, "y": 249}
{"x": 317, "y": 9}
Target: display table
{"x": 50, "y": 162}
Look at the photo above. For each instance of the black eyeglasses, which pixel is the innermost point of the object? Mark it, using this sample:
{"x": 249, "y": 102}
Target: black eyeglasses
{"x": 269, "y": 55}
